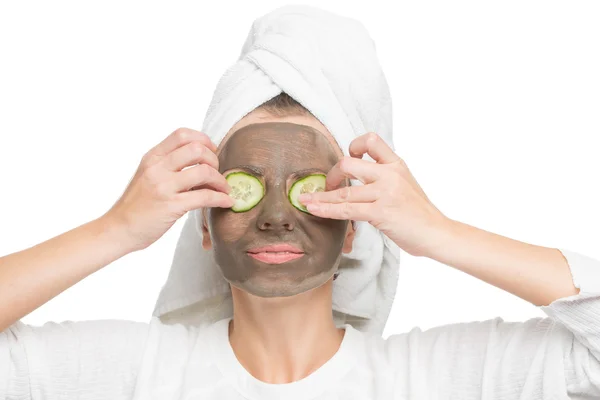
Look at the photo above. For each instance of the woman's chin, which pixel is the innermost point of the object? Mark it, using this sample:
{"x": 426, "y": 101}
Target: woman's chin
{"x": 276, "y": 285}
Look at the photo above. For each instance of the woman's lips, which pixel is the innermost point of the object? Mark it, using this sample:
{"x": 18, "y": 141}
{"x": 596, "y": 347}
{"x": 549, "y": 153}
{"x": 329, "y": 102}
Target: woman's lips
{"x": 275, "y": 258}
{"x": 277, "y": 247}
{"x": 276, "y": 253}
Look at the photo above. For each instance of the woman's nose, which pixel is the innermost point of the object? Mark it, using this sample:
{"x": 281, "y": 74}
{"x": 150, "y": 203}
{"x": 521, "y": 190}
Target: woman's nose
{"x": 276, "y": 213}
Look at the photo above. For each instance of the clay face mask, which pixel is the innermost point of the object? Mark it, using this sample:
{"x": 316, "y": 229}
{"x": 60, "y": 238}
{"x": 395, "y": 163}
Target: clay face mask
{"x": 276, "y": 155}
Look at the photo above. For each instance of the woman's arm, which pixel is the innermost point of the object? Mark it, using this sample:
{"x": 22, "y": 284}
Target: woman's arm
{"x": 161, "y": 191}
{"x": 32, "y": 277}
{"x": 393, "y": 201}
{"x": 494, "y": 359}
{"x": 99, "y": 359}
{"x": 537, "y": 274}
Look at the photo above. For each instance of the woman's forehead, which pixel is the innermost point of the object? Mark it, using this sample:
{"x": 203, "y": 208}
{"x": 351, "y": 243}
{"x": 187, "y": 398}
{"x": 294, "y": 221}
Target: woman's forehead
{"x": 278, "y": 143}
{"x": 260, "y": 116}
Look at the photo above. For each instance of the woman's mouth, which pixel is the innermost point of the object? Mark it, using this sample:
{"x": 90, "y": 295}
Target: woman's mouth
{"x": 276, "y": 254}
{"x": 275, "y": 257}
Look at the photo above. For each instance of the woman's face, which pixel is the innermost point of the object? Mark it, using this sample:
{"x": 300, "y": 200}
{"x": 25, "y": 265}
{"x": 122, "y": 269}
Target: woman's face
{"x": 283, "y": 152}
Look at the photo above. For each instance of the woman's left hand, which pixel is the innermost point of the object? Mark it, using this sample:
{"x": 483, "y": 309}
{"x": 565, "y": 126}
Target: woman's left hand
{"x": 391, "y": 199}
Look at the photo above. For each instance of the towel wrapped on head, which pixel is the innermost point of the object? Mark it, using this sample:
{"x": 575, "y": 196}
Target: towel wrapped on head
{"x": 327, "y": 63}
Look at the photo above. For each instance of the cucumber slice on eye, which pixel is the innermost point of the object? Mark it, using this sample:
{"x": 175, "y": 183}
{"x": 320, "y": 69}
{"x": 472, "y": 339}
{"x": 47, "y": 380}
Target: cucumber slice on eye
{"x": 245, "y": 189}
{"x": 310, "y": 184}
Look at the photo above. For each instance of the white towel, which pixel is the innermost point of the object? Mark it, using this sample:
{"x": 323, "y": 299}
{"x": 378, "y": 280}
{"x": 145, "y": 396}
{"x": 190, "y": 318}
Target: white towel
{"x": 328, "y": 63}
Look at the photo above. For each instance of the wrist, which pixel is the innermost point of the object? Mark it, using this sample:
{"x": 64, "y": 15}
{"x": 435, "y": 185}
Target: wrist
{"x": 115, "y": 234}
{"x": 443, "y": 238}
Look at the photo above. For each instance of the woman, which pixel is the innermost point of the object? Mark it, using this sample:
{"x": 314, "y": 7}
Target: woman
{"x": 282, "y": 340}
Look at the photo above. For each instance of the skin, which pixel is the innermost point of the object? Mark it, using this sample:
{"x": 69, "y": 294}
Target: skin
{"x": 282, "y": 327}
{"x": 286, "y": 152}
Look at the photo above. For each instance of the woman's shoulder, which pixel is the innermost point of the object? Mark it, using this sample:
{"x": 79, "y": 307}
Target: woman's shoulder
{"x": 178, "y": 341}
{"x": 442, "y": 342}
{"x": 174, "y": 352}
{"x": 103, "y": 329}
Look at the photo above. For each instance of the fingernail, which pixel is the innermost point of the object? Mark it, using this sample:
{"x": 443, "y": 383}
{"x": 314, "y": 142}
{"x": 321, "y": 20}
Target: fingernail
{"x": 305, "y": 198}
{"x": 312, "y": 207}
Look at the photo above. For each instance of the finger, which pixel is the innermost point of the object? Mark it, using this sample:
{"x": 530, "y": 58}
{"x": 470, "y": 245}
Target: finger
{"x": 353, "y": 168}
{"x": 204, "y": 198}
{"x": 181, "y": 137}
{"x": 200, "y": 175}
{"x": 343, "y": 211}
{"x": 351, "y": 194}
{"x": 372, "y": 144}
{"x": 190, "y": 154}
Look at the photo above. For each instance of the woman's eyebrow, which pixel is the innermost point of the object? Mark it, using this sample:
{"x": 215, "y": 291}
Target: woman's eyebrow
{"x": 261, "y": 172}
{"x": 308, "y": 171}
{"x": 250, "y": 168}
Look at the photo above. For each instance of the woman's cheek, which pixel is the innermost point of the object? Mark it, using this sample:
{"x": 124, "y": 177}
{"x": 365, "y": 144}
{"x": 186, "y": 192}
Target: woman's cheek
{"x": 231, "y": 227}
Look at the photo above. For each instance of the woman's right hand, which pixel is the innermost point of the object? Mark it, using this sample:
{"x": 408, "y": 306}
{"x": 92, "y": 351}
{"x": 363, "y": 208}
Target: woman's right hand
{"x": 161, "y": 192}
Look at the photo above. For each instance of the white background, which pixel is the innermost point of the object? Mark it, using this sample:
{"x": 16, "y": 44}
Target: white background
{"x": 496, "y": 112}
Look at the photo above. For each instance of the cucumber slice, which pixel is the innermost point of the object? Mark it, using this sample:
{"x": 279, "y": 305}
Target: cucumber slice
{"x": 245, "y": 189}
{"x": 310, "y": 184}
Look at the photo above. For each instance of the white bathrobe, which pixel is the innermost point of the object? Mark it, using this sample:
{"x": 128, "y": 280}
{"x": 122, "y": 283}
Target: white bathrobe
{"x": 557, "y": 357}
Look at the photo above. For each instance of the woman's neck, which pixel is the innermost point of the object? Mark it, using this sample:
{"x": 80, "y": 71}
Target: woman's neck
{"x": 284, "y": 339}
